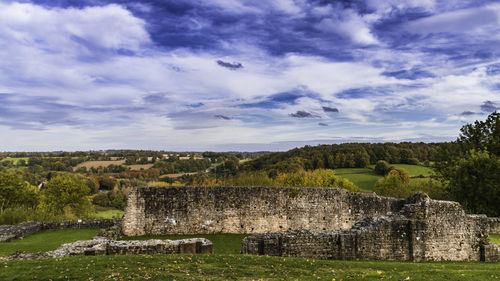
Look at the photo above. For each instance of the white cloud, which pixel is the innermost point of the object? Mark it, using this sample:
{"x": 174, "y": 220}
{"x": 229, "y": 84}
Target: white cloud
{"x": 351, "y": 24}
{"x": 474, "y": 20}
{"x": 76, "y": 56}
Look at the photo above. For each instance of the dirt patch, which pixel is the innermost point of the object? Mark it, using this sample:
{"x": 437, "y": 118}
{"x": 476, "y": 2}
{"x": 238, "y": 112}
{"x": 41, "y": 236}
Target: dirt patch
{"x": 138, "y": 167}
{"x": 95, "y": 164}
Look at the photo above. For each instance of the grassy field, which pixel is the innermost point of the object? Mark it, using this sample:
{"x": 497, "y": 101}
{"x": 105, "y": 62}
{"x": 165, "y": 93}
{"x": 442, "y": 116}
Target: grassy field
{"x": 413, "y": 170}
{"x": 138, "y": 167}
{"x": 95, "y": 164}
{"x": 46, "y": 240}
{"x": 495, "y": 238}
{"x": 242, "y": 267}
{"x": 366, "y": 178}
{"x": 225, "y": 264}
{"x": 15, "y": 160}
{"x": 109, "y": 214}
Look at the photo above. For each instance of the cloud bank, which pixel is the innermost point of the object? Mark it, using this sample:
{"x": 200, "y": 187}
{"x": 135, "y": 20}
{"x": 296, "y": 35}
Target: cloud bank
{"x": 196, "y": 75}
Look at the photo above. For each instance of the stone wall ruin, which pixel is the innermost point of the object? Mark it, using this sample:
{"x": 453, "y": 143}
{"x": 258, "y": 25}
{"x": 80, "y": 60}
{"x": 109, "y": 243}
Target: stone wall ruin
{"x": 223, "y": 209}
{"x": 325, "y": 223}
{"x": 422, "y": 230}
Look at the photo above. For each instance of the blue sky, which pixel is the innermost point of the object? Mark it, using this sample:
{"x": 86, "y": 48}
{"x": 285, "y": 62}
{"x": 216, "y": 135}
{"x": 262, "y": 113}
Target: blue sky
{"x": 243, "y": 75}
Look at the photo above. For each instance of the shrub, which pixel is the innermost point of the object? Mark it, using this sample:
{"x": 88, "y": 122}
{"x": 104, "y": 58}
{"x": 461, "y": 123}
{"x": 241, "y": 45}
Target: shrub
{"x": 382, "y": 167}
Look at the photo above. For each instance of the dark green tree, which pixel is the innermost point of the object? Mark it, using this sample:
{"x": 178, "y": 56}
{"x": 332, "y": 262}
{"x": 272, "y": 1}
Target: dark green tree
{"x": 470, "y": 166}
{"x": 382, "y": 167}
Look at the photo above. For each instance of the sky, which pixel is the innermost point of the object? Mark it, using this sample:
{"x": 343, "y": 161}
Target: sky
{"x": 243, "y": 75}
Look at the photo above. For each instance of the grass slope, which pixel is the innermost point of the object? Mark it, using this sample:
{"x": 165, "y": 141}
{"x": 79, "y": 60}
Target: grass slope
{"x": 365, "y": 178}
{"x": 46, "y": 240}
{"x": 413, "y": 170}
{"x": 232, "y": 267}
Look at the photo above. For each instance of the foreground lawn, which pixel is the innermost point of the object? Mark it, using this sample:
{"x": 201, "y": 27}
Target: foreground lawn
{"x": 47, "y": 240}
{"x": 225, "y": 264}
{"x": 243, "y": 267}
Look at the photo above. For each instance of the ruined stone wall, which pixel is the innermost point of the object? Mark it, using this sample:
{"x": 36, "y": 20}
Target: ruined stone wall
{"x": 422, "y": 230}
{"x": 188, "y": 210}
{"x": 104, "y": 246}
{"x": 494, "y": 224}
{"x": 18, "y": 231}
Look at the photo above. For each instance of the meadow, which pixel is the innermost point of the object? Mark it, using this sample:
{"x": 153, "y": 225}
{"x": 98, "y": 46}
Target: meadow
{"x": 108, "y": 213}
{"x": 366, "y": 178}
{"x": 224, "y": 264}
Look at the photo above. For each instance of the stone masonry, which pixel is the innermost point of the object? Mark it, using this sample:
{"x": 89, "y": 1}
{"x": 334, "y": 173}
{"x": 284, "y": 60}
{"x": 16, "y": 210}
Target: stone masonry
{"x": 421, "y": 230}
{"x": 327, "y": 223}
{"x": 18, "y": 231}
{"x": 104, "y": 246}
{"x": 222, "y": 209}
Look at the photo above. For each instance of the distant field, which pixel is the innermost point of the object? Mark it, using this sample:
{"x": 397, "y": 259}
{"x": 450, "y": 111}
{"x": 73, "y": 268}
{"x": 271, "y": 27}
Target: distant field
{"x": 138, "y": 167}
{"x": 366, "y": 178}
{"x": 15, "y": 160}
{"x": 96, "y": 164}
{"x": 413, "y": 170}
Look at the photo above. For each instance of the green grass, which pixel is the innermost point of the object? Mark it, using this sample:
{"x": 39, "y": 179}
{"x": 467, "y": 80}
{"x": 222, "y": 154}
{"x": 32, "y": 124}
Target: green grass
{"x": 365, "y": 178}
{"x": 15, "y": 159}
{"x": 225, "y": 264}
{"x": 243, "y": 267}
{"x": 47, "y": 240}
{"x": 348, "y": 171}
{"x": 364, "y": 181}
{"x": 109, "y": 214}
{"x": 223, "y": 243}
{"x": 413, "y": 170}
{"x": 495, "y": 238}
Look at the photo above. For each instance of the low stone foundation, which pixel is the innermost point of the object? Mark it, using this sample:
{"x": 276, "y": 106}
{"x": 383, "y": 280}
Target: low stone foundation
{"x": 494, "y": 225}
{"x": 422, "y": 230}
{"x": 18, "y": 231}
{"x": 104, "y": 246}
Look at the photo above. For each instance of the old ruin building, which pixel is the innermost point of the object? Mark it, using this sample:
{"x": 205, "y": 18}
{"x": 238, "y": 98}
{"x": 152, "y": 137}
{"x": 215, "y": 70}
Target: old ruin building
{"x": 315, "y": 222}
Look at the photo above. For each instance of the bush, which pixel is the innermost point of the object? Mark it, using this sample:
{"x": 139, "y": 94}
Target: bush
{"x": 101, "y": 199}
{"x": 16, "y": 215}
{"x": 382, "y": 167}
{"x": 413, "y": 161}
{"x": 66, "y": 195}
{"x": 106, "y": 183}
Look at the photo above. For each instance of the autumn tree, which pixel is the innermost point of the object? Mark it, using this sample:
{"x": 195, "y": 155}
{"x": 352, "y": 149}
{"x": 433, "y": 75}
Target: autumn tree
{"x": 66, "y": 195}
